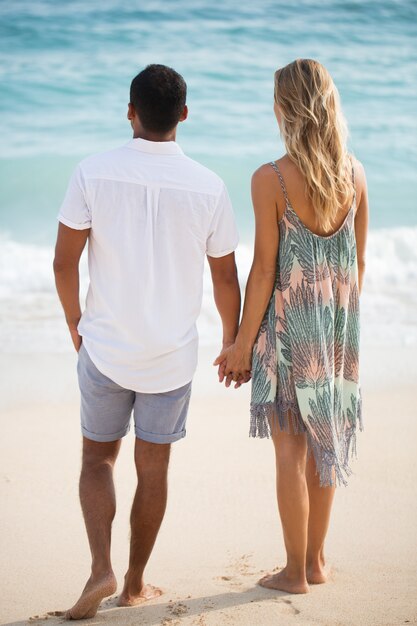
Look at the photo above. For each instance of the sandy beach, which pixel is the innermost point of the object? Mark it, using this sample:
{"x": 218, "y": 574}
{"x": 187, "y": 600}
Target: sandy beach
{"x": 221, "y": 530}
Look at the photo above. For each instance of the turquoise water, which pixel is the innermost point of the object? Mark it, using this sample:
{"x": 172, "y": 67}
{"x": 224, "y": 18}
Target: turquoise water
{"x": 65, "y": 71}
{"x": 66, "y": 68}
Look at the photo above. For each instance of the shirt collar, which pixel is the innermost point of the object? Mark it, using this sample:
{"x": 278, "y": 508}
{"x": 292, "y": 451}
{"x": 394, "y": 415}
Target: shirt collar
{"x": 154, "y": 147}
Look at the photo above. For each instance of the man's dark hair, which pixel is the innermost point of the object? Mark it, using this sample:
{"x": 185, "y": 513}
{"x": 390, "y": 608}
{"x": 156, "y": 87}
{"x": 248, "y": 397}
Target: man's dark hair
{"x": 158, "y": 95}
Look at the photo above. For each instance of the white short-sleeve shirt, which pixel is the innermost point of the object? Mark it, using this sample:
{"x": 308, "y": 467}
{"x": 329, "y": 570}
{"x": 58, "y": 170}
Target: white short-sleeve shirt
{"x": 154, "y": 214}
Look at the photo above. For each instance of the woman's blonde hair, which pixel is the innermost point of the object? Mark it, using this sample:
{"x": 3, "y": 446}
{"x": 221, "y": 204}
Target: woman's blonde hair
{"x": 314, "y": 131}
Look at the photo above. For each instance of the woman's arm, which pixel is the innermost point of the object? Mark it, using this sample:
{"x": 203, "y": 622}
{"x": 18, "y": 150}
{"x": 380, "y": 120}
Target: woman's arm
{"x": 236, "y": 360}
{"x": 361, "y": 219}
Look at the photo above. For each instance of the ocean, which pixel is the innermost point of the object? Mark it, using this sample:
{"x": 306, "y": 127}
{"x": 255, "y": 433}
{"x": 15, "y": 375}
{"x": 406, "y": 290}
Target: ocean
{"x": 65, "y": 71}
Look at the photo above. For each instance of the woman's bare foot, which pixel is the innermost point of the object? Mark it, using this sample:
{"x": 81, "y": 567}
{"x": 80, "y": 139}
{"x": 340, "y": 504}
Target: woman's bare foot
{"x": 316, "y": 572}
{"x": 93, "y": 593}
{"x": 130, "y": 597}
{"x": 316, "y": 576}
{"x": 283, "y": 582}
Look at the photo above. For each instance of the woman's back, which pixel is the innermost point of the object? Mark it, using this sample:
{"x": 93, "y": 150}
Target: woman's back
{"x": 295, "y": 185}
{"x": 305, "y": 361}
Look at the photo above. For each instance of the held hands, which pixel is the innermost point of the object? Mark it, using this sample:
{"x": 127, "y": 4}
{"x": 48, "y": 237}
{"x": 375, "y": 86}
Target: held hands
{"x": 234, "y": 364}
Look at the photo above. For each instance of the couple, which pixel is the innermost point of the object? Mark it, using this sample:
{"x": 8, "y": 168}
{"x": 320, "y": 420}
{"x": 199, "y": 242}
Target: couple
{"x": 151, "y": 215}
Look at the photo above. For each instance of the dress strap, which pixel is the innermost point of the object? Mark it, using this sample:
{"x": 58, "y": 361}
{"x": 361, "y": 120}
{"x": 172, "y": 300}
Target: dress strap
{"x": 281, "y": 180}
{"x": 353, "y": 179}
{"x": 353, "y": 170}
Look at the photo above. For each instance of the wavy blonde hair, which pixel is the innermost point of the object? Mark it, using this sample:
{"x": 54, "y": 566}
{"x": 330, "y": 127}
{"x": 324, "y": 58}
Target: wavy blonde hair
{"x": 315, "y": 133}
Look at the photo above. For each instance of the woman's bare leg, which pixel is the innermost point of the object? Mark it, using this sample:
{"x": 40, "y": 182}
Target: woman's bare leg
{"x": 321, "y": 500}
{"x": 293, "y": 505}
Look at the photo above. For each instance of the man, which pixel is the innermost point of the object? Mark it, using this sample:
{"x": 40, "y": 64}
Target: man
{"x": 150, "y": 215}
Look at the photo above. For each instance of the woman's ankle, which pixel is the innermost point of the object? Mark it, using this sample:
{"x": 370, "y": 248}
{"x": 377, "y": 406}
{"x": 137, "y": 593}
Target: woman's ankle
{"x": 296, "y": 571}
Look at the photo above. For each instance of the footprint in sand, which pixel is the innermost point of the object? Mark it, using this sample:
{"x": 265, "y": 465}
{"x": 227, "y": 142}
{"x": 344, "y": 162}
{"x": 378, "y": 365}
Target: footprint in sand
{"x": 177, "y": 608}
{"x": 287, "y": 607}
{"x": 238, "y": 569}
{"x": 233, "y": 581}
{"x": 242, "y": 567}
{"x": 42, "y": 618}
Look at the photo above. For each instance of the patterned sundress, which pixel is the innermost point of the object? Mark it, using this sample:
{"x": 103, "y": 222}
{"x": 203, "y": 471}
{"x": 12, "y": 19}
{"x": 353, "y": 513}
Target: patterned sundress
{"x": 305, "y": 363}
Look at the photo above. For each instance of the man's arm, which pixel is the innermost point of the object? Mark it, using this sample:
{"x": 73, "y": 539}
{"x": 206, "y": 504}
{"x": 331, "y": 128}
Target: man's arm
{"x": 226, "y": 294}
{"x": 69, "y": 246}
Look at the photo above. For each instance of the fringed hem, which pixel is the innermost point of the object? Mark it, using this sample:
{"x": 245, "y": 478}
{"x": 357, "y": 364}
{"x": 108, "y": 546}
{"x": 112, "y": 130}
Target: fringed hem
{"x": 268, "y": 418}
{"x": 264, "y": 422}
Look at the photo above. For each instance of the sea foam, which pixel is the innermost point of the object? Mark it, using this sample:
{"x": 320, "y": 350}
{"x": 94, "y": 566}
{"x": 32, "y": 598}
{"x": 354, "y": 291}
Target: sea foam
{"x": 31, "y": 318}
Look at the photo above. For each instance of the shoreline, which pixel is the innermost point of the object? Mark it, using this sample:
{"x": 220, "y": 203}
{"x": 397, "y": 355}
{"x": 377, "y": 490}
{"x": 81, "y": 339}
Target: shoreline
{"x": 31, "y": 318}
{"x": 380, "y": 368}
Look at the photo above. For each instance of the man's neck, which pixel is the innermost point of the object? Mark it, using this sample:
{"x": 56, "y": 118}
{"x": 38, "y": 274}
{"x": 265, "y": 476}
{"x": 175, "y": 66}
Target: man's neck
{"x": 149, "y": 136}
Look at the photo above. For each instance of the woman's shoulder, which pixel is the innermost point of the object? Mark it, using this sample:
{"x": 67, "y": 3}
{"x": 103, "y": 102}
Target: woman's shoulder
{"x": 266, "y": 171}
{"x": 359, "y": 173}
{"x": 262, "y": 173}
{"x": 267, "y": 188}
{"x": 357, "y": 166}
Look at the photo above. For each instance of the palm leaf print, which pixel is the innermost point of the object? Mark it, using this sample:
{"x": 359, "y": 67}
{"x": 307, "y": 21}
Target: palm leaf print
{"x": 328, "y": 437}
{"x": 342, "y": 253}
{"x": 339, "y": 334}
{"x": 353, "y": 420}
{"x": 287, "y": 397}
{"x": 261, "y": 385}
{"x": 351, "y": 366}
{"x": 305, "y": 248}
{"x": 264, "y": 358}
{"x": 307, "y": 337}
{"x": 353, "y": 413}
{"x": 285, "y": 257}
{"x": 320, "y": 419}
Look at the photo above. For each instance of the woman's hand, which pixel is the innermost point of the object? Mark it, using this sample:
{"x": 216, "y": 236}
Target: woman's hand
{"x": 234, "y": 365}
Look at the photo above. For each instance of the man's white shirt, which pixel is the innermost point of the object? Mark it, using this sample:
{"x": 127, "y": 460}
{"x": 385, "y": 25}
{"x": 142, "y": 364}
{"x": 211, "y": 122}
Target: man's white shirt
{"x": 154, "y": 214}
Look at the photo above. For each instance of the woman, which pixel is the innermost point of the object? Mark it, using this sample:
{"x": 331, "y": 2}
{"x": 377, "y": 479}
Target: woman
{"x": 301, "y": 345}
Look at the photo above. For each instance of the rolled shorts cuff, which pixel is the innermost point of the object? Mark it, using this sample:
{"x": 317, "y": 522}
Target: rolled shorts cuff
{"x": 104, "y": 438}
{"x": 157, "y": 438}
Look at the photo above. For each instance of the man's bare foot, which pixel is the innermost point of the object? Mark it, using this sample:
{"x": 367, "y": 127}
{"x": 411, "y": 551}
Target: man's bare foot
{"x": 93, "y": 593}
{"x": 147, "y": 592}
{"x": 283, "y": 582}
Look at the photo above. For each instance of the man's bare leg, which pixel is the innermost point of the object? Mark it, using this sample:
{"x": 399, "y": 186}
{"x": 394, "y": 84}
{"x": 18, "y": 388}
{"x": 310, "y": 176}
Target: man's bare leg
{"x": 98, "y": 503}
{"x": 321, "y": 499}
{"x": 147, "y": 514}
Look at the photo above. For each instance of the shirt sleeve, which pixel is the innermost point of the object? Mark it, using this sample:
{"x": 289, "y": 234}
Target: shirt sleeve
{"x": 223, "y": 236}
{"x": 74, "y": 211}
